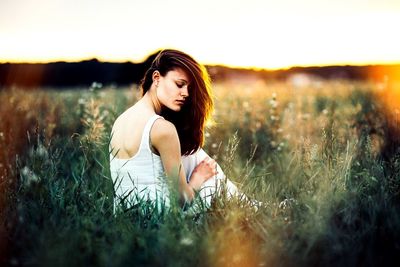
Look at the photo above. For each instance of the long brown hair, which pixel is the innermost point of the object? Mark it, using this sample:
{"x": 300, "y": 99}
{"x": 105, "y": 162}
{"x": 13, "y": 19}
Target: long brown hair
{"x": 191, "y": 119}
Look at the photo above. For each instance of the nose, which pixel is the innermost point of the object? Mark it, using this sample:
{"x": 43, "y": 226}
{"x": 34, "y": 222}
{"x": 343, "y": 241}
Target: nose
{"x": 185, "y": 91}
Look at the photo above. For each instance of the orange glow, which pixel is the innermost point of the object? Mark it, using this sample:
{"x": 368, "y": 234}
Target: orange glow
{"x": 389, "y": 94}
{"x": 389, "y": 78}
{"x": 232, "y": 245}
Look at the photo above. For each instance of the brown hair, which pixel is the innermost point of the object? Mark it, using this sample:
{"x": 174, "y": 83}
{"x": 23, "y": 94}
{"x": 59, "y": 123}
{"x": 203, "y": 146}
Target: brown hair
{"x": 191, "y": 119}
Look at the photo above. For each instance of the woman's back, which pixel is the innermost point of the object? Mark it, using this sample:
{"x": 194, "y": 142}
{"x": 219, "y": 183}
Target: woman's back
{"x": 127, "y": 131}
{"x": 136, "y": 171}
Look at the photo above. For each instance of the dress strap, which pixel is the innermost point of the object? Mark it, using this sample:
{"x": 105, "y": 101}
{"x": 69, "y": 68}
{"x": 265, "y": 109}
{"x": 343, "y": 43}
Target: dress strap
{"x": 145, "y": 142}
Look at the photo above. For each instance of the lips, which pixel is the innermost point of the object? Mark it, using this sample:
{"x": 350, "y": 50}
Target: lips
{"x": 181, "y": 102}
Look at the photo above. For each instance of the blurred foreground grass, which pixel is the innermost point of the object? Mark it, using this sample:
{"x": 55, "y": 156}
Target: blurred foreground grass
{"x": 323, "y": 158}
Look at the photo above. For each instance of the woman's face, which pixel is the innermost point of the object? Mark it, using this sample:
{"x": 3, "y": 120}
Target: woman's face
{"x": 172, "y": 89}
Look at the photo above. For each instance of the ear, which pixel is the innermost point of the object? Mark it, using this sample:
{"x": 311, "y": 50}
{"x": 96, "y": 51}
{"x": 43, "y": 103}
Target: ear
{"x": 156, "y": 76}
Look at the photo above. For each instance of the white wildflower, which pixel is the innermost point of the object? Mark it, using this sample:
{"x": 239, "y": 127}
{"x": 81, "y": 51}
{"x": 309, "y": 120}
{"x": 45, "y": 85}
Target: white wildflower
{"x": 96, "y": 85}
{"x": 28, "y": 176}
{"x": 42, "y": 151}
{"x": 287, "y": 202}
{"x": 81, "y": 101}
{"x": 186, "y": 241}
{"x": 273, "y": 103}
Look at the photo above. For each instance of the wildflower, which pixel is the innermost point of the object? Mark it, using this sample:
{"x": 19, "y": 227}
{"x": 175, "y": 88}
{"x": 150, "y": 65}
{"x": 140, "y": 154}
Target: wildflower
{"x": 273, "y": 103}
{"x": 325, "y": 111}
{"x": 186, "y": 241}
{"x": 286, "y": 203}
{"x": 28, "y": 176}
{"x": 95, "y": 85}
{"x": 104, "y": 114}
{"x": 25, "y": 171}
{"x": 81, "y": 101}
{"x": 41, "y": 151}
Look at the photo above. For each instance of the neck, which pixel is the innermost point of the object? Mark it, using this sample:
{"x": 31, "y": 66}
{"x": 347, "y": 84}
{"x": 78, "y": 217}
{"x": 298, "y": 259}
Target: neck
{"x": 151, "y": 101}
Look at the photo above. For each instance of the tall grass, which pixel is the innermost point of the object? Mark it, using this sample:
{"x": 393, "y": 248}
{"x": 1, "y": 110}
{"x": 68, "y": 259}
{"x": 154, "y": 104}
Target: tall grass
{"x": 312, "y": 155}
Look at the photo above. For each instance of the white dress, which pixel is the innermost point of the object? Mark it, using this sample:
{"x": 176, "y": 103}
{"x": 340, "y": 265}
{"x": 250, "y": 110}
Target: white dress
{"x": 142, "y": 177}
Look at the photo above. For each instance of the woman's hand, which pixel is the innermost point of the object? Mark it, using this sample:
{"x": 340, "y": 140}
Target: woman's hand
{"x": 206, "y": 169}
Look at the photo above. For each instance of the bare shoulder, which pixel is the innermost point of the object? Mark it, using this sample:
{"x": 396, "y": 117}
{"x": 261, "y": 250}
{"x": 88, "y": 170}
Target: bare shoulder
{"x": 116, "y": 126}
{"x": 128, "y": 118}
{"x": 120, "y": 120}
{"x": 164, "y": 138}
{"x": 163, "y": 129}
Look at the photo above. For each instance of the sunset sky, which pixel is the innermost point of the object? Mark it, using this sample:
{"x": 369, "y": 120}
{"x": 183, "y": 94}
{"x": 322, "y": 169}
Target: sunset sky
{"x": 251, "y": 33}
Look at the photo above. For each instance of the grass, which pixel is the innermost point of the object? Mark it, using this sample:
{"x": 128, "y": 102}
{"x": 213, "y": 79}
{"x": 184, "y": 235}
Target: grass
{"x": 317, "y": 157}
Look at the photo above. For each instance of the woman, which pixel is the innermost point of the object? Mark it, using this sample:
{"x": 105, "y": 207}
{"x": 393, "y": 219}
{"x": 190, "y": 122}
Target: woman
{"x": 157, "y": 142}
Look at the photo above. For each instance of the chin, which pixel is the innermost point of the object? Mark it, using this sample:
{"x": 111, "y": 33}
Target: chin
{"x": 175, "y": 108}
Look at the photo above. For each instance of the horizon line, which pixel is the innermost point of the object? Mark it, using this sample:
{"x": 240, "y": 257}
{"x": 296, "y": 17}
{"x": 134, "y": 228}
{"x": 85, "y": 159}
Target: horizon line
{"x": 257, "y": 68}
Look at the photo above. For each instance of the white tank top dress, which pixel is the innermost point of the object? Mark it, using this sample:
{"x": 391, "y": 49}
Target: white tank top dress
{"x": 141, "y": 177}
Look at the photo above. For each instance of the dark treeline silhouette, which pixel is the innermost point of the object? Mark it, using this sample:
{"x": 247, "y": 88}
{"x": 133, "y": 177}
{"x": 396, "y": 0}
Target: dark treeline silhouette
{"x": 84, "y": 73}
{"x": 64, "y": 74}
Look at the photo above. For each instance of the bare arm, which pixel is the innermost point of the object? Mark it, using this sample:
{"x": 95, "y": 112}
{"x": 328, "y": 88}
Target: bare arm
{"x": 165, "y": 139}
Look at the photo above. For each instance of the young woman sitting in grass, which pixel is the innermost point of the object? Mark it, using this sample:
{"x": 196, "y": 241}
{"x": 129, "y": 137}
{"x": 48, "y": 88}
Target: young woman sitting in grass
{"x": 157, "y": 142}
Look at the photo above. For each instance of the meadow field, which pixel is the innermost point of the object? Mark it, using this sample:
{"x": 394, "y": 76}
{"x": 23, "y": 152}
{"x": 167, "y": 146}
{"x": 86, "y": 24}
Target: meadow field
{"x": 322, "y": 156}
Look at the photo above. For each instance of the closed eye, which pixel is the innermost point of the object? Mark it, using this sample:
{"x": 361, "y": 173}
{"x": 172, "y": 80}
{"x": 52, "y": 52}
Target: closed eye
{"x": 181, "y": 83}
